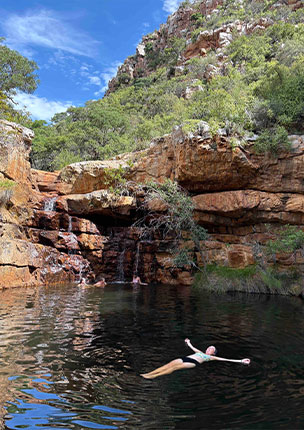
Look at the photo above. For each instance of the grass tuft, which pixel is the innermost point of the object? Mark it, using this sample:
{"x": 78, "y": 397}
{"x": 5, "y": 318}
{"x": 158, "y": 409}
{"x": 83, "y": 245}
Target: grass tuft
{"x": 6, "y": 184}
{"x": 251, "y": 279}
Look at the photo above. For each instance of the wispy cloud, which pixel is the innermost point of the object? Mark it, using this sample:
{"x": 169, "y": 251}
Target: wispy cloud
{"x": 170, "y": 6}
{"x": 44, "y": 28}
{"x": 40, "y": 107}
{"x": 97, "y": 78}
{"x": 109, "y": 73}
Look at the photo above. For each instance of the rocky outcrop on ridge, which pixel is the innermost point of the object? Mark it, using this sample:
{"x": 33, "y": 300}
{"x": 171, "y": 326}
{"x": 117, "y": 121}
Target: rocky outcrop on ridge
{"x": 181, "y": 25}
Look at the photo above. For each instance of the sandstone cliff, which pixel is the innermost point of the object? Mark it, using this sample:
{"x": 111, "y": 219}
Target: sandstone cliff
{"x": 57, "y": 227}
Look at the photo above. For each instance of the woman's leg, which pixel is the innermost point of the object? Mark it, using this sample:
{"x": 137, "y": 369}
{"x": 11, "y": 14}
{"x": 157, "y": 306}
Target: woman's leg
{"x": 165, "y": 367}
{"x": 174, "y": 365}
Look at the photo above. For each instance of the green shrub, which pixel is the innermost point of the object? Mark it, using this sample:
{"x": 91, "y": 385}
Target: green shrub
{"x": 115, "y": 178}
{"x": 177, "y": 219}
{"x": 196, "y": 66}
{"x": 272, "y": 141}
{"x": 290, "y": 51}
{"x": 123, "y": 78}
{"x": 195, "y": 33}
{"x": 198, "y": 18}
{"x": 296, "y": 16}
{"x": 290, "y": 239}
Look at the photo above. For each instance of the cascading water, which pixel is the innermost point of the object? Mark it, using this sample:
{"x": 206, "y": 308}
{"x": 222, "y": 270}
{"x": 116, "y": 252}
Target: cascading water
{"x": 136, "y": 261}
{"x": 49, "y": 205}
{"x": 70, "y": 224}
{"x": 81, "y": 267}
{"x": 120, "y": 267}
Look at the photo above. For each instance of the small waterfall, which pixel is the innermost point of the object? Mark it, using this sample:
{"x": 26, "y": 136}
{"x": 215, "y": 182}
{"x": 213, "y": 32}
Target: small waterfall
{"x": 49, "y": 205}
{"x": 137, "y": 255}
{"x": 81, "y": 264}
{"x": 81, "y": 267}
{"x": 72, "y": 238}
{"x": 70, "y": 224}
{"x": 120, "y": 267}
{"x": 147, "y": 236}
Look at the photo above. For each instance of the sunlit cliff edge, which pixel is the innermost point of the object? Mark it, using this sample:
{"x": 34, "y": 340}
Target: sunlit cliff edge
{"x": 57, "y": 227}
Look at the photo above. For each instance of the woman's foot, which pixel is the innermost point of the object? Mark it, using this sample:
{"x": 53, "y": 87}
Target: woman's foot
{"x": 147, "y": 376}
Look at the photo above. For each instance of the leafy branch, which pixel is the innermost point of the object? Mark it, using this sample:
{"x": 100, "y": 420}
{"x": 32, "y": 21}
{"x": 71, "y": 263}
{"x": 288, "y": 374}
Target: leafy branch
{"x": 169, "y": 210}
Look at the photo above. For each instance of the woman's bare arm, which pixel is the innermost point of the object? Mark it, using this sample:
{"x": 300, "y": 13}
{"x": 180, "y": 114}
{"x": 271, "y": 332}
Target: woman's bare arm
{"x": 187, "y": 341}
{"x": 243, "y": 361}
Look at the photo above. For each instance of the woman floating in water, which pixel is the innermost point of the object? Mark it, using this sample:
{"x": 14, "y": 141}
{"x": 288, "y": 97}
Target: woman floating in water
{"x": 190, "y": 361}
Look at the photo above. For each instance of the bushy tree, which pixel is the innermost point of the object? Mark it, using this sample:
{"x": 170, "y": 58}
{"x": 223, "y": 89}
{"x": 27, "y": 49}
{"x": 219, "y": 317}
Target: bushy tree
{"x": 283, "y": 88}
{"x": 290, "y": 239}
{"x": 16, "y": 72}
{"x": 175, "y": 222}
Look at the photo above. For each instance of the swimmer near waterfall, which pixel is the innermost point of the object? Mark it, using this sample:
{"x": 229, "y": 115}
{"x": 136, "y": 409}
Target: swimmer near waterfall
{"x": 190, "y": 361}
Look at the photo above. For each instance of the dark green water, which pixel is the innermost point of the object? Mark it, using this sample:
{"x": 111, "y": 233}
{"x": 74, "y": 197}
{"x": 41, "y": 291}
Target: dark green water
{"x": 70, "y": 359}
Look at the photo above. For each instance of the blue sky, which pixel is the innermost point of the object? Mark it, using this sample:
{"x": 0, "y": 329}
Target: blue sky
{"x": 77, "y": 44}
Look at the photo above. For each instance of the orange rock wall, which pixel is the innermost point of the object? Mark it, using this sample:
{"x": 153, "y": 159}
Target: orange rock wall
{"x": 58, "y": 227}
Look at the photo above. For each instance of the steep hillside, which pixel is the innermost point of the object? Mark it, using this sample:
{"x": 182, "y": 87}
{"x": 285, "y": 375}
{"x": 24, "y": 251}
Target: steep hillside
{"x": 236, "y": 65}
{"x": 198, "y": 28}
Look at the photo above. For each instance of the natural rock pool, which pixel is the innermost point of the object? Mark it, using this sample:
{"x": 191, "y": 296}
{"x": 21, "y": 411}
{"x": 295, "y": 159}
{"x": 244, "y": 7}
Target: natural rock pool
{"x": 70, "y": 358}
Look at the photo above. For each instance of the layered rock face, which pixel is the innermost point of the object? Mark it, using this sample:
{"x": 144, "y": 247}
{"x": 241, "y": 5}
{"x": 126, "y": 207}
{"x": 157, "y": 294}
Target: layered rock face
{"x": 25, "y": 257}
{"x": 57, "y": 227}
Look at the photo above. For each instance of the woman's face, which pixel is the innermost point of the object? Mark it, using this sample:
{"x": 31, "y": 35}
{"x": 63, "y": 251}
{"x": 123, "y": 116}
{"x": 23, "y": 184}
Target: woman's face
{"x": 210, "y": 350}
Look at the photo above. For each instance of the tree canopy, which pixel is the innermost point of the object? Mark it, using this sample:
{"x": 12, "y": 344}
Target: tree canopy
{"x": 16, "y": 73}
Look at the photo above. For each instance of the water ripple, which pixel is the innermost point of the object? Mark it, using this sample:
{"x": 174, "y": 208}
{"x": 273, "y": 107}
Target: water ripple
{"x": 71, "y": 358}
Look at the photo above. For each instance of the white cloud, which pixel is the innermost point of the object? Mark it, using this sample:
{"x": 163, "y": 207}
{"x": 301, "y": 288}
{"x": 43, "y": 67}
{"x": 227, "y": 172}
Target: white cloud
{"x": 95, "y": 80}
{"x": 46, "y": 29}
{"x": 98, "y": 78}
{"x": 171, "y": 6}
{"x": 59, "y": 58}
{"x": 108, "y": 74}
{"x": 40, "y": 107}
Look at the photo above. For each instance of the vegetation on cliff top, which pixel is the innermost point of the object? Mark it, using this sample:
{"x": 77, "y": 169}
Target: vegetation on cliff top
{"x": 258, "y": 87}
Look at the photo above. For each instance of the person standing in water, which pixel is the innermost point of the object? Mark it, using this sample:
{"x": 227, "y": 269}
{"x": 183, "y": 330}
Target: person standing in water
{"x": 190, "y": 361}
{"x": 101, "y": 283}
{"x": 137, "y": 281}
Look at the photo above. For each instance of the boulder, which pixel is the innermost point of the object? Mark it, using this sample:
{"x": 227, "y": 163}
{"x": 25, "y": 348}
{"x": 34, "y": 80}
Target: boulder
{"x": 15, "y": 146}
{"x": 46, "y": 181}
{"x": 98, "y": 203}
{"x": 87, "y": 176}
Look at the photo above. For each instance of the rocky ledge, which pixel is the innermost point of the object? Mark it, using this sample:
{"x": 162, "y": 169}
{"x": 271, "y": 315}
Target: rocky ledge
{"x": 57, "y": 227}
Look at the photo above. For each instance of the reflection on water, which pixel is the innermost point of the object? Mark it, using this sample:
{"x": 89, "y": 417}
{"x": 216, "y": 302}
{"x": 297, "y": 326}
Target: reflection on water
{"x": 70, "y": 359}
